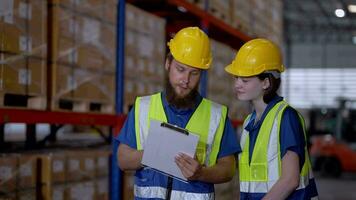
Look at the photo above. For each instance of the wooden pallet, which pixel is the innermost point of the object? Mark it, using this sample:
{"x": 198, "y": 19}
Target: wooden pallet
{"x": 78, "y": 105}
{"x": 10, "y": 100}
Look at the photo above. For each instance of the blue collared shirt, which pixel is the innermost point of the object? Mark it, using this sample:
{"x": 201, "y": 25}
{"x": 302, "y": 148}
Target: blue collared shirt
{"x": 180, "y": 117}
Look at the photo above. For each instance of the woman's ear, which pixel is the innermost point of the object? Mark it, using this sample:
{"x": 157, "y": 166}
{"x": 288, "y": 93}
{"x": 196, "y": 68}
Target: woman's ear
{"x": 266, "y": 83}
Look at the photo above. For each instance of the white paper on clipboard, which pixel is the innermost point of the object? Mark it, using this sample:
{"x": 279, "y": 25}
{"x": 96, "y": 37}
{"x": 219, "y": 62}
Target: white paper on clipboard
{"x": 163, "y": 144}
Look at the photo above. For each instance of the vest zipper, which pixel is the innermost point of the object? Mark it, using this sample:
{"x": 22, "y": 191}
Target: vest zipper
{"x": 169, "y": 188}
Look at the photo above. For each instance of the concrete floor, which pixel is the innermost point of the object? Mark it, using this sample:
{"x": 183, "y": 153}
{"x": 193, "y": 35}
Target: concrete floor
{"x": 343, "y": 188}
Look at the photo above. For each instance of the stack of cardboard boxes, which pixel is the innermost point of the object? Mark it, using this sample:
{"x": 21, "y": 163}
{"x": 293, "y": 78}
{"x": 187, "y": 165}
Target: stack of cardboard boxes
{"x": 145, "y": 54}
{"x": 259, "y": 18}
{"x": 256, "y": 18}
{"x": 83, "y": 54}
{"x": 63, "y": 175}
{"x": 23, "y": 53}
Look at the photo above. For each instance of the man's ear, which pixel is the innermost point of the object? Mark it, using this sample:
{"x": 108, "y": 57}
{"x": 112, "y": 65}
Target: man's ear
{"x": 166, "y": 65}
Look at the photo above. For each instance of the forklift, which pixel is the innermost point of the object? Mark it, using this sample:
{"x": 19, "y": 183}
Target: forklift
{"x": 333, "y": 149}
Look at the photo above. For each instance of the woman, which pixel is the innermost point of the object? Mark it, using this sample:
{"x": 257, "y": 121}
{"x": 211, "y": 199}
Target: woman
{"x": 274, "y": 163}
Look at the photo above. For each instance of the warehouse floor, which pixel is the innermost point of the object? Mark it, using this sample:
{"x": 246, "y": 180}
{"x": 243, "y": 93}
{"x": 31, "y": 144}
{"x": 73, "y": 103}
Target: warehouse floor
{"x": 342, "y": 188}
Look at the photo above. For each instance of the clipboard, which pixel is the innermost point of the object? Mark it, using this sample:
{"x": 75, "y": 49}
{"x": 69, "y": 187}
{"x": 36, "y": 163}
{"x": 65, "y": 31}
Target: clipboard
{"x": 164, "y": 142}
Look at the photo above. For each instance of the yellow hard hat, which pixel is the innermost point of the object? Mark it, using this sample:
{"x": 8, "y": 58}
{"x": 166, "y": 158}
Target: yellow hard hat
{"x": 255, "y": 57}
{"x": 191, "y": 46}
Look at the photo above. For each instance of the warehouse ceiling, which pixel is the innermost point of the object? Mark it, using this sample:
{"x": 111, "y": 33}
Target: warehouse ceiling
{"x": 315, "y": 21}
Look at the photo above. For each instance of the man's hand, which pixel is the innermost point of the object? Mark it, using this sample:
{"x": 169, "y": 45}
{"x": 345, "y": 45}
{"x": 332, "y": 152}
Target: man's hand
{"x": 221, "y": 172}
{"x": 190, "y": 167}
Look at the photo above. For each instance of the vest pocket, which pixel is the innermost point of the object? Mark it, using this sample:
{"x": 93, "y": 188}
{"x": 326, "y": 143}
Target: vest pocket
{"x": 144, "y": 176}
{"x": 200, "y": 154}
{"x": 258, "y": 172}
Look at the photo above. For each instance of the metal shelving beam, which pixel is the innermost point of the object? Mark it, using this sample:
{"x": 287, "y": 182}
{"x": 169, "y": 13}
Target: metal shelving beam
{"x": 115, "y": 172}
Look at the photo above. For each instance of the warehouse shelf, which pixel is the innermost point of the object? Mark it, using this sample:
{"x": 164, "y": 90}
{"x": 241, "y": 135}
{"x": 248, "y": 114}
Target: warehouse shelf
{"x": 193, "y": 16}
{"x": 56, "y": 119}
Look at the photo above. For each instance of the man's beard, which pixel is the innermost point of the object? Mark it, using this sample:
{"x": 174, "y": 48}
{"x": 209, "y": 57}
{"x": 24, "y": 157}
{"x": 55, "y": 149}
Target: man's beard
{"x": 173, "y": 98}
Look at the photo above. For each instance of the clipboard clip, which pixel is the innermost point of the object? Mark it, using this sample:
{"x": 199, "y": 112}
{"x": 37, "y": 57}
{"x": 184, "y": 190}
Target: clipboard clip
{"x": 176, "y": 128}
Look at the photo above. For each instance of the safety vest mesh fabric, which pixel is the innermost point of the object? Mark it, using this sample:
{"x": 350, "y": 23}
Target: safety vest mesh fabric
{"x": 207, "y": 121}
{"x": 264, "y": 170}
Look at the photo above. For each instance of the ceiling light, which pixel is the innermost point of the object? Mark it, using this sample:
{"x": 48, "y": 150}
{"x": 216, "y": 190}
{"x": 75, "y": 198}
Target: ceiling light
{"x": 354, "y": 39}
{"x": 352, "y": 8}
{"x": 182, "y": 9}
{"x": 340, "y": 13}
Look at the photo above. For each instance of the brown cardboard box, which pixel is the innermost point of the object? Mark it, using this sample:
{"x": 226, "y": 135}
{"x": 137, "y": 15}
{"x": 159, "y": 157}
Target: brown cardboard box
{"x": 28, "y": 194}
{"x": 53, "y": 168}
{"x": 20, "y": 74}
{"x": 14, "y": 75}
{"x": 221, "y": 9}
{"x": 37, "y": 85}
{"x": 27, "y": 170}
{"x": 64, "y": 82}
{"x": 105, "y": 11}
{"x": 95, "y": 86}
{"x": 88, "y": 165}
{"x": 58, "y": 192}
{"x": 81, "y": 190}
{"x": 8, "y": 170}
{"x": 24, "y": 27}
{"x": 83, "y": 40}
{"x": 102, "y": 163}
{"x": 102, "y": 188}
{"x": 74, "y": 172}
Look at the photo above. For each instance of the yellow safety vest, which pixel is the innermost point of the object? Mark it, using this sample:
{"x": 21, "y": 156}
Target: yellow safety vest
{"x": 207, "y": 121}
{"x": 264, "y": 170}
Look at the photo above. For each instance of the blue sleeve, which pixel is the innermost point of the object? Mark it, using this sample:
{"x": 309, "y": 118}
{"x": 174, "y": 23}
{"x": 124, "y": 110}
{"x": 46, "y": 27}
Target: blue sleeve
{"x": 292, "y": 135}
{"x": 229, "y": 143}
{"x": 127, "y": 133}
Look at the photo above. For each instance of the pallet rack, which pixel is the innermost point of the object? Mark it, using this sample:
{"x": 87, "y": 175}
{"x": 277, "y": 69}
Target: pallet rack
{"x": 168, "y": 9}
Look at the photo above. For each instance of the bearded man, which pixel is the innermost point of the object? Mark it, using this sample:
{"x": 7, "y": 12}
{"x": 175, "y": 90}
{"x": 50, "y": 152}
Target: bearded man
{"x": 182, "y": 105}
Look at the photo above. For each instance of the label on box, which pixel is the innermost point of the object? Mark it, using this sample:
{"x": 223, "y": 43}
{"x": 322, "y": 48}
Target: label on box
{"x": 130, "y": 16}
{"x": 140, "y": 88}
{"x": 58, "y": 193}
{"x": 140, "y": 65}
{"x": 73, "y": 165}
{"x": 89, "y": 164}
{"x": 25, "y": 11}
{"x": 24, "y": 77}
{"x": 73, "y": 26}
{"x": 7, "y": 11}
{"x": 103, "y": 162}
{"x": 151, "y": 67}
{"x": 103, "y": 186}
{"x": 58, "y": 166}
{"x": 129, "y": 87}
{"x": 91, "y": 31}
{"x": 5, "y": 173}
{"x": 71, "y": 83}
{"x": 130, "y": 38}
{"x": 73, "y": 56}
{"x": 146, "y": 46}
{"x": 129, "y": 62}
{"x": 25, "y": 44}
{"x": 26, "y": 169}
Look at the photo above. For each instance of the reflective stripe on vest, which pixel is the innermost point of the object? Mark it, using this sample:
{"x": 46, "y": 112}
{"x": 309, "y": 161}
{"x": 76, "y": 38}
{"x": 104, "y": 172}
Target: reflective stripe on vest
{"x": 263, "y": 172}
{"x": 160, "y": 192}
